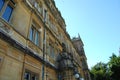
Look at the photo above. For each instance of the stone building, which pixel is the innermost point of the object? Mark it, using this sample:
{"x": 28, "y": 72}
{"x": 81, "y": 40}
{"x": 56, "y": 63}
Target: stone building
{"x": 34, "y": 44}
{"x": 77, "y": 42}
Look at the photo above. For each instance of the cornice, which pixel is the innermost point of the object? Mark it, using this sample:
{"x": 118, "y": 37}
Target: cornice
{"x": 25, "y": 50}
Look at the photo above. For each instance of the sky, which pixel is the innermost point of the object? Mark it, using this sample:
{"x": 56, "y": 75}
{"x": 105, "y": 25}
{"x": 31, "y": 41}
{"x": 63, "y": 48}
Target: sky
{"x": 97, "y": 22}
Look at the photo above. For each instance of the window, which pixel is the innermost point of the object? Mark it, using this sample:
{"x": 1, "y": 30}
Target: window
{"x": 37, "y": 38}
{"x": 52, "y": 52}
{"x": 32, "y": 31}
{"x": 45, "y": 15}
{"x": 6, "y": 9}
{"x": 34, "y": 35}
{"x": 30, "y": 76}
{"x": 32, "y": 1}
{"x": 7, "y": 14}
{"x": 1, "y": 4}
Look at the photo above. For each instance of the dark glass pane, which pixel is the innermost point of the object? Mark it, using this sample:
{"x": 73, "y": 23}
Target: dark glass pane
{"x": 1, "y": 4}
{"x": 27, "y": 76}
{"x": 37, "y": 38}
{"x": 7, "y": 14}
{"x": 32, "y": 34}
{"x": 33, "y": 77}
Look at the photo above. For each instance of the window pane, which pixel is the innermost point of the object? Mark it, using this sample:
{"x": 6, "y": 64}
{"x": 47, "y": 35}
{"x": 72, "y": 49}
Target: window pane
{"x": 37, "y": 38}
{"x": 1, "y": 4}
{"x": 48, "y": 50}
{"x": 7, "y": 14}
{"x": 34, "y": 77}
{"x": 27, "y": 76}
{"x": 32, "y": 1}
{"x": 32, "y": 34}
{"x": 52, "y": 51}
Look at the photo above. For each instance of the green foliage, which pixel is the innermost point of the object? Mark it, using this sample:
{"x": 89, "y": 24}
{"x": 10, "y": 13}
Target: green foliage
{"x": 109, "y": 71}
{"x": 114, "y": 60}
{"x": 100, "y": 72}
{"x": 114, "y": 66}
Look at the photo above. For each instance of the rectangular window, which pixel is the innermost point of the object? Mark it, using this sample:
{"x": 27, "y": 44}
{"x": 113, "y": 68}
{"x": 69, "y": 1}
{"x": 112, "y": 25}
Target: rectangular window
{"x": 34, "y": 35}
{"x": 7, "y": 14}
{"x": 48, "y": 49}
{"x": 52, "y": 54}
{"x": 45, "y": 15}
{"x": 6, "y": 9}
{"x": 1, "y": 4}
{"x": 28, "y": 75}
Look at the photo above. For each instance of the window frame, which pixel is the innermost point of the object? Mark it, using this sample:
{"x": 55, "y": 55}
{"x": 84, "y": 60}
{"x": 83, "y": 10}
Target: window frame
{"x": 6, "y": 16}
{"x": 6, "y": 4}
{"x": 37, "y": 38}
{"x": 51, "y": 51}
{"x": 32, "y": 33}
{"x": 36, "y": 34}
{"x": 31, "y": 74}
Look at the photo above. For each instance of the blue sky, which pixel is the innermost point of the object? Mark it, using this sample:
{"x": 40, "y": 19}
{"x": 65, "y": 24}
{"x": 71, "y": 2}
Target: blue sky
{"x": 97, "y": 22}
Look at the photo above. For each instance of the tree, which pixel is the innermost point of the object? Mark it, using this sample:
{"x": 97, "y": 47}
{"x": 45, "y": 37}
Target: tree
{"x": 109, "y": 71}
{"x": 100, "y": 72}
{"x": 114, "y": 65}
